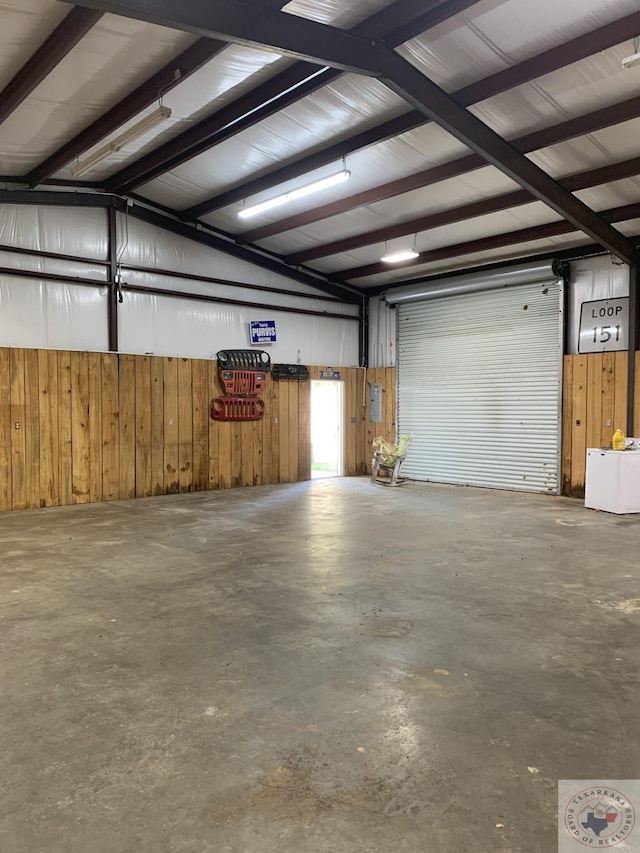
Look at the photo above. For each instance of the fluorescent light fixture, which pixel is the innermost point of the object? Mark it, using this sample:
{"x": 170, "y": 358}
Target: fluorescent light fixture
{"x": 630, "y": 61}
{"x": 301, "y": 192}
{"x": 399, "y": 256}
{"x": 137, "y": 130}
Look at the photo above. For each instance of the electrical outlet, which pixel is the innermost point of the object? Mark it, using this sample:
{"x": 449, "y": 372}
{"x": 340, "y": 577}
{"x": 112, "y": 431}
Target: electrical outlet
{"x": 17, "y": 424}
{"x": 171, "y": 422}
{"x": 609, "y": 422}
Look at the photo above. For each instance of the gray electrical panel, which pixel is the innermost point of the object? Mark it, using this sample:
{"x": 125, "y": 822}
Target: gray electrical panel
{"x": 375, "y": 402}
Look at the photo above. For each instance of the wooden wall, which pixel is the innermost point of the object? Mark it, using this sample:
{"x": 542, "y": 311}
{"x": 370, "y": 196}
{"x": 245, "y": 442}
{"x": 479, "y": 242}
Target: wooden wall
{"x": 595, "y": 391}
{"x": 386, "y": 376}
{"x": 102, "y": 426}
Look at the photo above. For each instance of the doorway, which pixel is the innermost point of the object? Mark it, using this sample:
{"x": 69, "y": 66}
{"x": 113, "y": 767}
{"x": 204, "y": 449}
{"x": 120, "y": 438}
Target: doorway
{"x": 327, "y": 413}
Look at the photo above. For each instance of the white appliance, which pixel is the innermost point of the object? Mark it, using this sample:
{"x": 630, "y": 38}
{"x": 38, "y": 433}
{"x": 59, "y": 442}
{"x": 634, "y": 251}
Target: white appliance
{"x": 613, "y": 479}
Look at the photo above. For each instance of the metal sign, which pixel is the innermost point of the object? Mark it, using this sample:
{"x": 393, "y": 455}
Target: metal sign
{"x": 604, "y": 325}
{"x": 263, "y": 332}
{"x": 330, "y": 373}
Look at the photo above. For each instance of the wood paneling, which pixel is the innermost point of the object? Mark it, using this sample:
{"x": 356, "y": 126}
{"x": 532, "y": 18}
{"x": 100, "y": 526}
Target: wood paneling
{"x": 350, "y": 423}
{"x": 103, "y": 426}
{"x": 224, "y": 454}
{"x": 282, "y": 390}
{"x": 200, "y": 423}
{"x": 257, "y": 442}
{"x": 579, "y": 424}
{"x": 185, "y": 426}
{"x": 127, "y": 420}
{"x": 6, "y": 501}
{"x": 65, "y": 455}
{"x": 171, "y": 427}
{"x": 304, "y": 431}
{"x": 18, "y": 444}
{"x": 245, "y": 433}
{"x": 236, "y": 454}
{"x": 294, "y": 435}
{"x": 81, "y": 472}
{"x": 95, "y": 426}
{"x": 594, "y": 400}
{"x": 608, "y": 398}
{"x": 361, "y": 415}
{"x": 386, "y": 428}
{"x": 157, "y": 425}
{"x": 32, "y": 428}
{"x": 214, "y": 430}
{"x": 48, "y": 425}
{"x": 620, "y": 390}
{"x": 271, "y": 434}
{"x": 594, "y": 406}
{"x": 110, "y": 428}
{"x": 144, "y": 486}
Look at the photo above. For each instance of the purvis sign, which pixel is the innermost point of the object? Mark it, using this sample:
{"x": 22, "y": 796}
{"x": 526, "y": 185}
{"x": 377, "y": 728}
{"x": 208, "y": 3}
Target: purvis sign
{"x": 604, "y": 325}
{"x": 263, "y": 332}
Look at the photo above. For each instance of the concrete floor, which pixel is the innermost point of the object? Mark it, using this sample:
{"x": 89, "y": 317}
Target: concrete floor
{"x": 329, "y": 666}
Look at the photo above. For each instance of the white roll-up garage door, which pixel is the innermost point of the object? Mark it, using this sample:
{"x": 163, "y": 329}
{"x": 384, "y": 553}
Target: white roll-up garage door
{"x": 479, "y": 387}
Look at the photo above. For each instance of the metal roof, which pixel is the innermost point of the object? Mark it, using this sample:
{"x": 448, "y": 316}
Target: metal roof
{"x": 250, "y": 122}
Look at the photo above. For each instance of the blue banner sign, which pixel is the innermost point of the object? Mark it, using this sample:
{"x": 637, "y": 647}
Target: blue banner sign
{"x": 263, "y": 332}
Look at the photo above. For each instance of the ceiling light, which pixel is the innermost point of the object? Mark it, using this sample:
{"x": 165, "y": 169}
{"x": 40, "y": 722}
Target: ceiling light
{"x": 142, "y": 127}
{"x": 630, "y": 61}
{"x": 634, "y": 58}
{"x": 399, "y": 256}
{"x": 300, "y": 192}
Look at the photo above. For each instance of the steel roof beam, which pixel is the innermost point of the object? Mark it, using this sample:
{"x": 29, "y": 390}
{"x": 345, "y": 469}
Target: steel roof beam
{"x": 482, "y": 207}
{"x": 50, "y": 53}
{"x": 237, "y": 21}
{"x": 425, "y": 19}
{"x": 174, "y": 73}
{"x": 588, "y": 250}
{"x": 310, "y": 162}
{"x": 401, "y": 77}
{"x": 281, "y": 91}
{"x": 523, "y": 72}
{"x": 405, "y": 19}
{"x": 484, "y": 244}
{"x": 569, "y": 129}
{"x": 241, "y": 22}
{"x": 268, "y": 98}
{"x": 52, "y": 198}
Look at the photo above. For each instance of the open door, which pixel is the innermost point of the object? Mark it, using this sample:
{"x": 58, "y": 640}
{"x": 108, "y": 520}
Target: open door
{"x": 327, "y": 416}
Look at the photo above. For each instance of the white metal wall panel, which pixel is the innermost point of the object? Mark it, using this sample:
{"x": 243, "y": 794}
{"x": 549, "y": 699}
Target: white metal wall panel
{"x": 382, "y": 334}
{"x": 592, "y": 278}
{"x": 142, "y": 244}
{"x": 60, "y": 315}
{"x": 52, "y": 315}
{"x": 78, "y": 231}
{"x": 479, "y": 387}
{"x": 182, "y": 327}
